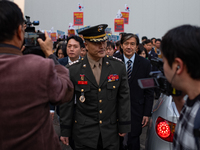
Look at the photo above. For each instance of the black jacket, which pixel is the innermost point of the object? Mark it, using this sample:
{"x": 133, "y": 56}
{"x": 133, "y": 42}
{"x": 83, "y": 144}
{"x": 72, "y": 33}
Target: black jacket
{"x": 141, "y": 99}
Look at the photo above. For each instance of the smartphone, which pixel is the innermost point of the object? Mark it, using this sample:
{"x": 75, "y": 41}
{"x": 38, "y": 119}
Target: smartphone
{"x": 148, "y": 83}
{"x": 30, "y": 38}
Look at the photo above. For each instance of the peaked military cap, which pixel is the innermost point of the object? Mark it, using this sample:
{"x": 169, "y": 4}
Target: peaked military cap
{"x": 95, "y": 33}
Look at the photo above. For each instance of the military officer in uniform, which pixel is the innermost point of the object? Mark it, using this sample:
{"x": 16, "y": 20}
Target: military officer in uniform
{"x": 102, "y": 111}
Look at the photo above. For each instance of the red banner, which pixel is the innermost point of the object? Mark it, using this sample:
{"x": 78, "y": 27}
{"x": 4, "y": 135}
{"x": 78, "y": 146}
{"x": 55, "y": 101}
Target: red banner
{"x": 71, "y": 32}
{"x": 78, "y": 18}
{"x": 125, "y": 15}
{"x": 53, "y": 37}
{"x": 119, "y": 25}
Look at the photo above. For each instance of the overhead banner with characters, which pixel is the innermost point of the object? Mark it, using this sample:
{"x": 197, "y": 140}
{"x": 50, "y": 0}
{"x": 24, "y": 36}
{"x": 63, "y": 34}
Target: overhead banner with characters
{"x": 53, "y": 37}
{"x": 125, "y": 15}
{"x": 108, "y": 31}
{"x": 113, "y": 38}
{"x": 78, "y": 18}
{"x": 60, "y": 33}
{"x": 119, "y": 24}
{"x": 71, "y": 32}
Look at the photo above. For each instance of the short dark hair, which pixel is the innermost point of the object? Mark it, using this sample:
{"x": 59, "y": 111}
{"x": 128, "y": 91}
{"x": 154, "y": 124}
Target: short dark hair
{"x": 121, "y": 33}
{"x": 82, "y": 45}
{"x": 111, "y": 44}
{"x": 158, "y": 40}
{"x": 183, "y": 42}
{"x": 128, "y": 36}
{"x": 144, "y": 37}
{"x": 77, "y": 38}
{"x": 118, "y": 43}
{"x": 153, "y": 38}
{"x": 10, "y": 18}
{"x": 147, "y": 41}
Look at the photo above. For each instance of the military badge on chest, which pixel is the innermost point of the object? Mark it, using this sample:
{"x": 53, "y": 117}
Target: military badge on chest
{"x": 113, "y": 77}
{"x": 82, "y": 82}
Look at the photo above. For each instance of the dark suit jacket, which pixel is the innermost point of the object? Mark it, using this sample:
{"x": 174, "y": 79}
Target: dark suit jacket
{"x": 106, "y": 109}
{"x": 150, "y": 56}
{"x": 141, "y": 100}
{"x": 28, "y": 84}
{"x": 64, "y": 62}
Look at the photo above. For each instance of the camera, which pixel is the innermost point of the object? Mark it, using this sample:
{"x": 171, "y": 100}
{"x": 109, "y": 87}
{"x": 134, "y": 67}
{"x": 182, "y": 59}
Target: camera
{"x": 30, "y": 38}
{"x": 158, "y": 80}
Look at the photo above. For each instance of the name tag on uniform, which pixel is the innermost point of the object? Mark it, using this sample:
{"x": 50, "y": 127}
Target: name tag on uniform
{"x": 113, "y": 77}
{"x": 82, "y": 82}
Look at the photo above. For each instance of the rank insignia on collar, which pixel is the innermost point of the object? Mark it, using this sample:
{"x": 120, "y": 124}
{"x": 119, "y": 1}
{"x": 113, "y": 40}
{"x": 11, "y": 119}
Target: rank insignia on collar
{"x": 113, "y": 77}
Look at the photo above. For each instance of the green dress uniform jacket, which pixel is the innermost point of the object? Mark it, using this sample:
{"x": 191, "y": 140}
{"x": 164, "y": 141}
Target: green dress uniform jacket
{"x": 106, "y": 109}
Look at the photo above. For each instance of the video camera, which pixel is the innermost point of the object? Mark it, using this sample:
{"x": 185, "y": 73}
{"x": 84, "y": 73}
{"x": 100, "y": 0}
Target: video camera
{"x": 30, "y": 38}
{"x": 158, "y": 80}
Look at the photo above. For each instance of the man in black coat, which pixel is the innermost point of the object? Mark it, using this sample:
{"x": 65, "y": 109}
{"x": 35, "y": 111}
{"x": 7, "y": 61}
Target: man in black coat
{"x": 151, "y": 52}
{"x": 141, "y": 99}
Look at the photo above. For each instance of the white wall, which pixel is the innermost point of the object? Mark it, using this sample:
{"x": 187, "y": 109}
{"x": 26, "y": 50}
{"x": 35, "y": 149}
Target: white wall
{"x": 20, "y": 3}
{"x": 152, "y": 18}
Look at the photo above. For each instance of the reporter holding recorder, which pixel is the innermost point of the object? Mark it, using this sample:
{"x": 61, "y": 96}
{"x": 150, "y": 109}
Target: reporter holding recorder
{"x": 28, "y": 83}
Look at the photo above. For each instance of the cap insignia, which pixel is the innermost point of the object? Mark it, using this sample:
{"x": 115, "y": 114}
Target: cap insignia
{"x": 100, "y": 28}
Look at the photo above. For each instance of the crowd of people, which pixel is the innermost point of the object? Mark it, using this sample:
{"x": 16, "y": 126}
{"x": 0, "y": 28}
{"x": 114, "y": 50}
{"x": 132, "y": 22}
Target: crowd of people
{"x": 92, "y": 84}
{"x": 141, "y": 100}
{"x": 146, "y": 47}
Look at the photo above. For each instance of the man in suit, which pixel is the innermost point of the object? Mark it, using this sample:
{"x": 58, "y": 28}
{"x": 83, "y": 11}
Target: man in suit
{"x": 102, "y": 112}
{"x": 151, "y": 53}
{"x": 73, "y": 51}
{"x": 74, "y": 46}
{"x": 141, "y": 100}
{"x": 28, "y": 84}
{"x": 158, "y": 51}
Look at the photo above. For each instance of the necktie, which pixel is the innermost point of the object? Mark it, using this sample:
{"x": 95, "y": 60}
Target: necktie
{"x": 129, "y": 69}
{"x": 97, "y": 72}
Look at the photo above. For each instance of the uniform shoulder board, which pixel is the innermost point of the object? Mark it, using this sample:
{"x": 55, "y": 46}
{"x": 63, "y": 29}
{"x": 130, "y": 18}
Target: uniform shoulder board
{"x": 74, "y": 62}
{"x": 117, "y": 58}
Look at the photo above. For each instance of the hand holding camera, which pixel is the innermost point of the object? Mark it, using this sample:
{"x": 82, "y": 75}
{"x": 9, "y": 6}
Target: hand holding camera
{"x": 47, "y": 45}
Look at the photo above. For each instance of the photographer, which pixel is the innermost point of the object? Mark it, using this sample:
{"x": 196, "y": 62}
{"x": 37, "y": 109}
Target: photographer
{"x": 181, "y": 52}
{"x": 28, "y": 84}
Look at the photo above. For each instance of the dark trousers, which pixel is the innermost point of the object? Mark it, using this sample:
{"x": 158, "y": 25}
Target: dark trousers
{"x": 133, "y": 142}
{"x": 99, "y": 146}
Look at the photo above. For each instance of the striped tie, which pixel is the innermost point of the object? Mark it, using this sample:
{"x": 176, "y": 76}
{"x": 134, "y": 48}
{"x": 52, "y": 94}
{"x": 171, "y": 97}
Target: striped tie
{"x": 129, "y": 69}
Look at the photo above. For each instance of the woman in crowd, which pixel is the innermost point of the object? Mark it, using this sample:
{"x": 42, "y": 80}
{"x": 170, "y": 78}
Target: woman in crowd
{"x": 142, "y": 51}
{"x": 61, "y": 50}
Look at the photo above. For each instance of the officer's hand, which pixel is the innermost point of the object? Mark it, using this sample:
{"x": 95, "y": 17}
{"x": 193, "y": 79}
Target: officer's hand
{"x": 65, "y": 140}
{"x": 47, "y": 45}
{"x": 145, "y": 120}
{"x": 122, "y": 134}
